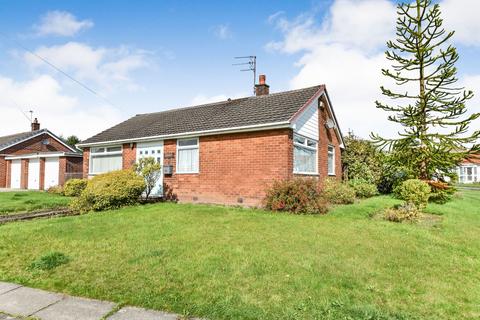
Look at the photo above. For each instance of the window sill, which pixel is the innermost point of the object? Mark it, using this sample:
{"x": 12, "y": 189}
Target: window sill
{"x": 306, "y": 174}
{"x": 332, "y": 175}
{"x": 187, "y": 172}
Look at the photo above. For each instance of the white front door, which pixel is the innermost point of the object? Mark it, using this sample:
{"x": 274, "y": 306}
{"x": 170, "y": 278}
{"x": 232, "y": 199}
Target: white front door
{"x": 51, "y": 172}
{"x": 34, "y": 174}
{"x": 153, "y": 150}
{"x": 15, "y": 174}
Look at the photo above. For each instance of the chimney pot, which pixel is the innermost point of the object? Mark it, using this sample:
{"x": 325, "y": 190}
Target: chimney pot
{"x": 35, "y": 125}
{"x": 262, "y": 89}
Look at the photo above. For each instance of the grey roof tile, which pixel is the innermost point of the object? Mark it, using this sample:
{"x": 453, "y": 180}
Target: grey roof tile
{"x": 277, "y": 107}
{"x": 7, "y": 141}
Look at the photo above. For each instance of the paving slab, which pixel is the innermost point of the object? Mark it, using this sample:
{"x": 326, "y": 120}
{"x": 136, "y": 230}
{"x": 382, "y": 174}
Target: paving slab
{"x": 5, "y": 287}
{"x": 73, "y": 308}
{"x": 26, "y": 301}
{"x": 132, "y": 313}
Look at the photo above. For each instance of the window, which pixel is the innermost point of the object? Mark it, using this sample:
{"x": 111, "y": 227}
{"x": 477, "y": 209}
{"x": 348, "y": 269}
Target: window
{"x": 105, "y": 159}
{"x": 304, "y": 155}
{"x": 467, "y": 174}
{"x": 187, "y": 156}
{"x": 331, "y": 160}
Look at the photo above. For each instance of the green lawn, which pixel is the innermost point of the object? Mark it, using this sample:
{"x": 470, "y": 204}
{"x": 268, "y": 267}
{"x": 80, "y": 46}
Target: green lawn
{"x": 229, "y": 263}
{"x": 25, "y": 201}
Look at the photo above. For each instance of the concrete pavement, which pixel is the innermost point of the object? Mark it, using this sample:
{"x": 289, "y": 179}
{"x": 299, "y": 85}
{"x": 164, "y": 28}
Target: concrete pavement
{"x": 17, "y": 302}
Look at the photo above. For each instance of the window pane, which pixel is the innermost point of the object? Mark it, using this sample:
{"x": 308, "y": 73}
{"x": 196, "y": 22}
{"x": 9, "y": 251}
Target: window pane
{"x": 102, "y": 164}
{"x": 187, "y": 143}
{"x": 304, "y": 160}
{"x": 299, "y": 140}
{"x": 114, "y": 149}
{"x": 311, "y": 143}
{"x": 95, "y": 150}
{"x": 331, "y": 160}
{"x": 187, "y": 160}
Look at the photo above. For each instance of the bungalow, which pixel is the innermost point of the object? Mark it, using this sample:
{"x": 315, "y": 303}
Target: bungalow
{"x": 37, "y": 160}
{"x": 227, "y": 152}
{"x": 469, "y": 170}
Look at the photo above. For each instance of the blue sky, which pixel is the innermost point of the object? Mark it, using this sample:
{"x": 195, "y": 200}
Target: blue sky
{"x": 147, "y": 56}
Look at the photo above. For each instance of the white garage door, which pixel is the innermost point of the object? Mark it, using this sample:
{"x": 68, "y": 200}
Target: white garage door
{"x": 16, "y": 173}
{"x": 34, "y": 174}
{"x": 51, "y": 172}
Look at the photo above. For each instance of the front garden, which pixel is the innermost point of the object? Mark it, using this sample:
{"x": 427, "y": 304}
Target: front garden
{"x": 28, "y": 201}
{"x": 230, "y": 263}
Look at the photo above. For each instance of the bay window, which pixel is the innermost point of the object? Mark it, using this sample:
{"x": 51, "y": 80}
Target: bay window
{"x": 187, "y": 156}
{"x": 304, "y": 155}
{"x": 105, "y": 159}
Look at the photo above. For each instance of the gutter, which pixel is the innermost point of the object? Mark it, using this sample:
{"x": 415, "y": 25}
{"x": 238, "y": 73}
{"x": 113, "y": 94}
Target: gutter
{"x": 259, "y": 127}
{"x": 44, "y": 155}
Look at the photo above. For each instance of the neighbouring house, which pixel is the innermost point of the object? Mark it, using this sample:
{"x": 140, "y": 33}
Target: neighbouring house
{"x": 37, "y": 160}
{"x": 228, "y": 152}
{"x": 469, "y": 170}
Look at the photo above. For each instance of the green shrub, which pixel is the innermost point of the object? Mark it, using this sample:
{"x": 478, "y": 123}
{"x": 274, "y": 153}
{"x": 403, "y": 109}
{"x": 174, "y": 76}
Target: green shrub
{"x": 74, "y": 187}
{"x": 441, "y": 192}
{"x": 110, "y": 191}
{"x": 414, "y": 191}
{"x": 298, "y": 195}
{"x": 405, "y": 212}
{"x": 56, "y": 190}
{"x": 363, "y": 189}
{"x": 391, "y": 177}
{"x": 336, "y": 192}
{"x": 49, "y": 261}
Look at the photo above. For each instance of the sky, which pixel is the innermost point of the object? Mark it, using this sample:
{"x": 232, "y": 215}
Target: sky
{"x": 115, "y": 59}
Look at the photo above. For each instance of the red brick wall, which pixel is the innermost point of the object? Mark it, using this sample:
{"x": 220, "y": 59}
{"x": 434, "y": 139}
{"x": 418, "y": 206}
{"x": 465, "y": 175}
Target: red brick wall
{"x": 234, "y": 167}
{"x": 8, "y": 164}
{"x": 35, "y": 145}
{"x": 42, "y": 173}
{"x": 3, "y": 172}
{"x": 328, "y": 137}
{"x": 86, "y": 162}
{"x": 129, "y": 153}
{"x": 62, "y": 170}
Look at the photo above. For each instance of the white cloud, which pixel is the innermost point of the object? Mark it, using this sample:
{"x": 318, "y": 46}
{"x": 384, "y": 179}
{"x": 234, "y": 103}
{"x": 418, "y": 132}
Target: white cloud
{"x": 222, "y": 31}
{"x": 109, "y": 68}
{"x": 61, "y": 23}
{"x": 346, "y": 52}
{"x": 57, "y": 111}
{"x": 462, "y": 16}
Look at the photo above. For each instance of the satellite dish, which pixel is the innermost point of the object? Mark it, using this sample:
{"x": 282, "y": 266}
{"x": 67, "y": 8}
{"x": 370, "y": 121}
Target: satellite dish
{"x": 330, "y": 124}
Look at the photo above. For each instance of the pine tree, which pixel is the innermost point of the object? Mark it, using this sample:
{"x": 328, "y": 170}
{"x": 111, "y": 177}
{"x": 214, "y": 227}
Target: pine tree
{"x": 433, "y": 114}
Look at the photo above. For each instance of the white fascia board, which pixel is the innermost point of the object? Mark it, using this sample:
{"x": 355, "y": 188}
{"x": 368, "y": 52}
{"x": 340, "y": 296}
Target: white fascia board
{"x": 261, "y": 127}
{"x": 44, "y": 155}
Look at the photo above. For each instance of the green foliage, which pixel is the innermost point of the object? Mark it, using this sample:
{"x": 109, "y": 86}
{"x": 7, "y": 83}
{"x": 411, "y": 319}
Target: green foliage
{"x": 405, "y": 212}
{"x": 414, "y": 191}
{"x": 109, "y": 191}
{"x": 361, "y": 159}
{"x": 434, "y": 115}
{"x": 150, "y": 170}
{"x": 56, "y": 190}
{"x": 363, "y": 188}
{"x": 72, "y": 140}
{"x": 336, "y": 192}
{"x": 298, "y": 196}
{"x": 49, "y": 261}
{"x": 392, "y": 175}
{"x": 74, "y": 187}
{"x": 441, "y": 192}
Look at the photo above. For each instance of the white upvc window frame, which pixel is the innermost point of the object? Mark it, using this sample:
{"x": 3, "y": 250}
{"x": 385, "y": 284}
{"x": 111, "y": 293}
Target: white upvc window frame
{"x": 331, "y": 151}
{"x": 305, "y": 145}
{"x": 197, "y": 146}
{"x": 94, "y": 151}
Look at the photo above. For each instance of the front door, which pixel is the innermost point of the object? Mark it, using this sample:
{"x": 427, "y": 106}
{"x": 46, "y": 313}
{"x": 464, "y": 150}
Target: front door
{"x": 153, "y": 150}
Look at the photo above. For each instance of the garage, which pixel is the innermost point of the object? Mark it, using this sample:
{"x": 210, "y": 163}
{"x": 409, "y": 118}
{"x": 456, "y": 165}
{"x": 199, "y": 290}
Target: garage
{"x": 34, "y": 174}
{"x": 16, "y": 174}
{"x": 51, "y": 172}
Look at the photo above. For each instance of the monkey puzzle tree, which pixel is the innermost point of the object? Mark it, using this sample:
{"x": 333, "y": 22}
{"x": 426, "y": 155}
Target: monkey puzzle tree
{"x": 429, "y": 106}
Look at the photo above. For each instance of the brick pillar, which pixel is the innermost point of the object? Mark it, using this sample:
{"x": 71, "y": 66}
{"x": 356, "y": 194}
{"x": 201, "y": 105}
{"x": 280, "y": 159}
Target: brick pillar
{"x": 62, "y": 170}
{"x": 8, "y": 172}
{"x": 129, "y": 155}
{"x": 24, "y": 174}
{"x": 3, "y": 172}
{"x": 86, "y": 162}
{"x": 42, "y": 173}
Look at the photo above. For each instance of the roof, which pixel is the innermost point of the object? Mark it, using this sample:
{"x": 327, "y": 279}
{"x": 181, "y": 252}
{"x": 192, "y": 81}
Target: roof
{"x": 236, "y": 113}
{"x": 11, "y": 140}
{"x": 472, "y": 159}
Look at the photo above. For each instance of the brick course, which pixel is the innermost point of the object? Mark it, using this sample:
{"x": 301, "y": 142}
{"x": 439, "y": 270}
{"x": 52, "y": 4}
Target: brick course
{"x": 129, "y": 155}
